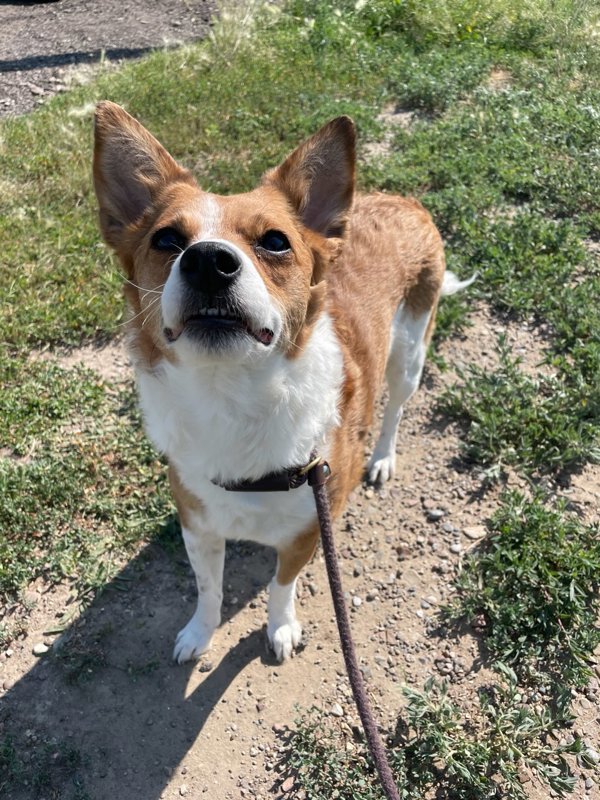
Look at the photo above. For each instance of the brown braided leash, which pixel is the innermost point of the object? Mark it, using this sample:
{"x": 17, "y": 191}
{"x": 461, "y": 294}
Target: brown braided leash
{"x": 317, "y": 478}
{"x": 317, "y": 473}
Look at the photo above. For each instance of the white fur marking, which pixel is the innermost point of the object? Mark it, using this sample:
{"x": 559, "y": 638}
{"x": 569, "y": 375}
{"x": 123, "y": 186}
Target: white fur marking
{"x": 284, "y": 630}
{"x": 207, "y": 556}
{"x": 403, "y": 373}
{"x": 452, "y": 285}
{"x": 211, "y": 218}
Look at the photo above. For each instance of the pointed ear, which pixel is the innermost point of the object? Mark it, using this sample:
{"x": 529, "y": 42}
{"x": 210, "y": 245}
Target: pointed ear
{"x": 318, "y": 177}
{"x": 130, "y": 168}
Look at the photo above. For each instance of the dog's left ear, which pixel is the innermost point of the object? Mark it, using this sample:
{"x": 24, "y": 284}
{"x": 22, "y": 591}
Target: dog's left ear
{"x": 318, "y": 177}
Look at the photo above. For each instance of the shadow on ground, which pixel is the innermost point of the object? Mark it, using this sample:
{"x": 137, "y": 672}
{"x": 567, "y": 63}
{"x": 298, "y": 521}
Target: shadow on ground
{"x": 116, "y": 661}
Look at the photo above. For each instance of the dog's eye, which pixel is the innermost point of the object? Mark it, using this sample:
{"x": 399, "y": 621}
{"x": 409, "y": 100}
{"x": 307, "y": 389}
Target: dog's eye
{"x": 274, "y": 242}
{"x": 168, "y": 239}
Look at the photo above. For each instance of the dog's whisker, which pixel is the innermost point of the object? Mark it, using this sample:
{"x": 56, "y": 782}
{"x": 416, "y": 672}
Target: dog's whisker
{"x": 151, "y": 307}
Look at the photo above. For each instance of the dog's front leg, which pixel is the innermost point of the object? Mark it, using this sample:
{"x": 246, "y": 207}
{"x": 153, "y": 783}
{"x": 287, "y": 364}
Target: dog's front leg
{"x": 207, "y": 556}
{"x": 206, "y": 553}
{"x": 284, "y": 630}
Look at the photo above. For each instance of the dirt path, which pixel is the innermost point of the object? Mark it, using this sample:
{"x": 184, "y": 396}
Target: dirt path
{"x": 146, "y": 729}
{"x": 45, "y": 46}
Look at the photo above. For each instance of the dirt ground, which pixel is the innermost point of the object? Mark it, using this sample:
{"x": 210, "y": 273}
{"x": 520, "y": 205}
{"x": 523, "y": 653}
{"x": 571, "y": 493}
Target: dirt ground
{"x": 45, "y": 46}
{"x": 147, "y": 729}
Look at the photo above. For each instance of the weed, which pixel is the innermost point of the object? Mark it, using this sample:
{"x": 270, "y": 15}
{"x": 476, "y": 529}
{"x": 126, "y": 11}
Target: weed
{"x": 435, "y": 745}
{"x": 51, "y": 766}
{"x": 539, "y": 424}
{"x": 536, "y": 582}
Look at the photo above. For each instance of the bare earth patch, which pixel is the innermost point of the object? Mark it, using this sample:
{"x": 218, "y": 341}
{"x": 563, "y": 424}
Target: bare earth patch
{"x": 45, "y": 47}
{"x": 109, "y": 360}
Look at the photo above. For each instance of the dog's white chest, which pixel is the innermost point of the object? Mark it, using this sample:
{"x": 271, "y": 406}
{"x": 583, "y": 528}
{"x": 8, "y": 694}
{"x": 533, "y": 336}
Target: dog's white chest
{"x": 228, "y": 422}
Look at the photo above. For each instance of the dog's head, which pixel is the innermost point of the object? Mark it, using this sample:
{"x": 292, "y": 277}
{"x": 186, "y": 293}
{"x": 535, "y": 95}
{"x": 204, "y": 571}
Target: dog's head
{"x": 222, "y": 277}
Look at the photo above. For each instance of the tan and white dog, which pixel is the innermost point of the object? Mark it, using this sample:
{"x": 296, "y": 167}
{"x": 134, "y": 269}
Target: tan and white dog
{"x": 262, "y": 327}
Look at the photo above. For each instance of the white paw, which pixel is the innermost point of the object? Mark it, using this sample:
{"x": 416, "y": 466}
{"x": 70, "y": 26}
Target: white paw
{"x": 381, "y": 470}
{"x": 192, "y": 641}
{"x": 284, "y": 639}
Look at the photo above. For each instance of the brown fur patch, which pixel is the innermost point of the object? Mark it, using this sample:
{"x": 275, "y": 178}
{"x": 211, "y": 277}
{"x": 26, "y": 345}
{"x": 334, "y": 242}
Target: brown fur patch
{"x": 296, "y": 555}
{"x": 187, "y": 503}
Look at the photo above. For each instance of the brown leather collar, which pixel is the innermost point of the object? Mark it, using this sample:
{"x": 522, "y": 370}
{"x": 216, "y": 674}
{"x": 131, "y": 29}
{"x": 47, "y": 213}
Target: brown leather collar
{"x": 316, "y": 472}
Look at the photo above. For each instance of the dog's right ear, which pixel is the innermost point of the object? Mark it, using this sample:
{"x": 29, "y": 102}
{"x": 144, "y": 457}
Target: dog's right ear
{"x": 130, "y": 168}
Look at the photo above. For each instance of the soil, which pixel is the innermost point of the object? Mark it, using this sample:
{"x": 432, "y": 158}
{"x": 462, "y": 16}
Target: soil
{"x": 147, "y": 729}
{"x": 45, "y": 46}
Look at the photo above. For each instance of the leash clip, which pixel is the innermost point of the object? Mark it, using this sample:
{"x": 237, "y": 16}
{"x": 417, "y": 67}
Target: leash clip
{"x": 318, "y": 472}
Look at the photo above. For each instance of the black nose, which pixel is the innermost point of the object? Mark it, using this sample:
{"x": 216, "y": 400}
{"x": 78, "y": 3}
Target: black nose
{"x": 210, "y": 267}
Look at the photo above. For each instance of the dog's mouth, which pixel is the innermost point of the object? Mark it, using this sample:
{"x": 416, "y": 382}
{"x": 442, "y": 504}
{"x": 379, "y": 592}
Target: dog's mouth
{"x": 219, "y": 321}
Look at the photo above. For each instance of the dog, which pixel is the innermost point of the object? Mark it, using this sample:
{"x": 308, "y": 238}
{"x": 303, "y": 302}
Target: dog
{"x": 262, "y": 327}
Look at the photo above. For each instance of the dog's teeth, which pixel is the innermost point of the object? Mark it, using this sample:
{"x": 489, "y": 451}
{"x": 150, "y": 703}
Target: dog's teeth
{"x": 203, "y": 311}
{"x": 212, "y": 312}
{"x": 223, "y": 311}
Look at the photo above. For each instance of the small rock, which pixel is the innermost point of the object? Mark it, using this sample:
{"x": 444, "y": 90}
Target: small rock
{"x": 279, "y": 727}
{"x": 433, "y": 514}
{"x": 40, "y": 649}
{"x": 287, "y": 785}
{"x": 356, "y": 602}
{"x": 358, "y": 568}
{"x": 183, "y": 789}
{"x": 589, "y": 784}
{"x": 403, "y": 550}
{"x": 455, "y": 547}
{"x": 474, "y": 532}
{"x": 337, "y": 710}
{"x": 591, "y": 756}
{"x": 206, "y": 666}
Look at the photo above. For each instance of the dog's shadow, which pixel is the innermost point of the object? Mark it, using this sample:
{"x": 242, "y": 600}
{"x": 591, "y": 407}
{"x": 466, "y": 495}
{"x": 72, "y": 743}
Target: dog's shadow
{"x": 107, "y": 714}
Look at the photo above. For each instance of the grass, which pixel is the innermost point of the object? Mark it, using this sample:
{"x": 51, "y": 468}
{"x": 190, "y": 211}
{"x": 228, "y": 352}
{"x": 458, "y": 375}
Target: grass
{"x": 503, "y": 149}
{"x": 436, "y": 746}
{"x": 549, "y": 563}
{"x": 50, "y": 763}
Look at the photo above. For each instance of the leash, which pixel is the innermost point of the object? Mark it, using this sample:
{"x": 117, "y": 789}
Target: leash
{"x": 317, "y": 472}
{"x": 317, "y": 478}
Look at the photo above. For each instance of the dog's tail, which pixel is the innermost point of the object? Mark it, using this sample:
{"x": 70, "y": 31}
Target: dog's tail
{"x": 452, "y": 285}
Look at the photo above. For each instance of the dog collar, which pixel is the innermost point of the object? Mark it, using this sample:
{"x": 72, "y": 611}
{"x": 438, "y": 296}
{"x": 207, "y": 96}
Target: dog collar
{"x": 316, "y": 473}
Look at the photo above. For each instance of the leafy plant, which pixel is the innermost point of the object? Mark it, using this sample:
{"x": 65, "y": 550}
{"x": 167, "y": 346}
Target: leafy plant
{"x": 536, "y": 582}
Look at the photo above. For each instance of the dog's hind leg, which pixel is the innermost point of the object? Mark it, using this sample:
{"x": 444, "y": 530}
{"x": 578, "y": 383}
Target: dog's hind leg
{"x": 408, "y": 347}
{"x": 283, "y": 629}
{"x": 206, "y": 553}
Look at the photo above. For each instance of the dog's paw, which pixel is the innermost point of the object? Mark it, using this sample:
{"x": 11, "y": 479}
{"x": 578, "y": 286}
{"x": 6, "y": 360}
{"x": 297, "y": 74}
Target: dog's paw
{"x": 284, "y": 639}
{"x": 192, "y": 641}
{"x": 381, "y": 470}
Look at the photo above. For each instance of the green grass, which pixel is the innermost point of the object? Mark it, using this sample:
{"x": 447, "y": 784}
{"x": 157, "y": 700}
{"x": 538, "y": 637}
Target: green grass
{"x": 49, "y": 765}
{"x": 548, "y": 562}
{"x": 436, "y": 746}
{"x": 541, "y": 424}
{"x": 509, "y": 169}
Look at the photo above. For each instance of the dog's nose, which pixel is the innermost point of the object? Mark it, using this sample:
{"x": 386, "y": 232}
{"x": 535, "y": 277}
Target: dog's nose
{"x": 210, "y": 267}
